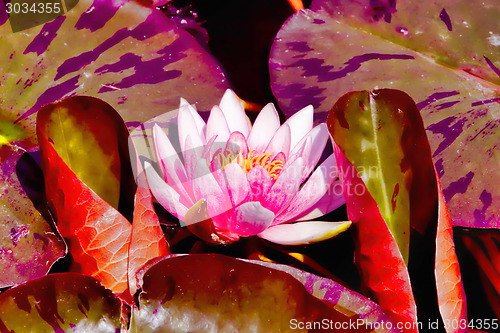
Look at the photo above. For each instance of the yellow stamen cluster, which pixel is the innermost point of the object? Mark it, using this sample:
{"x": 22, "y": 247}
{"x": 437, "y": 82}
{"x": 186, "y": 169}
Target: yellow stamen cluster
{"x": 249, "y": 161}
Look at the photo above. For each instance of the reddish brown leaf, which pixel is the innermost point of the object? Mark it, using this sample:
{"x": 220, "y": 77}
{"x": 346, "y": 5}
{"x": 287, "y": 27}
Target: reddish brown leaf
{"x": 147, "y": 240}
{"x": 210, "y": 292}
{"x": 97, "y": 234}
{"x": 450, "y": 289}
{"x": 102, "y": 241}
{"x": 383, "y": 271}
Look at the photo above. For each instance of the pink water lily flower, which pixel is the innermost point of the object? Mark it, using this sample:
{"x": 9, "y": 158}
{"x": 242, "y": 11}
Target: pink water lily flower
{"x": 248, "y": 180}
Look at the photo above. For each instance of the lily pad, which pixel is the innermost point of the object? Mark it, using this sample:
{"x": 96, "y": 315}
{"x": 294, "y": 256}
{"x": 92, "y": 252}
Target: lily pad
{"x": 445, "y": 55}
{"x": 28, "y": 244}
{"x": 101, "y": 240}
{"x": 66, "y": 302}
{"x": 124, "y": 52}
{"x": 200, "y": 293}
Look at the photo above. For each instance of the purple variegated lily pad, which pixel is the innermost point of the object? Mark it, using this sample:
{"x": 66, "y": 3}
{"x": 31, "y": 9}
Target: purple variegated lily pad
{"x": 28, "y": 244}
{"x": 445, "y": 55}
{"x": 124, "y": 52}
{"x": 204, "y": 292}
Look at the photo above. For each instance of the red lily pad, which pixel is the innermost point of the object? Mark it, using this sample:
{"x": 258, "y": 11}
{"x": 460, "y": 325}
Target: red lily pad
{"x": 65, "y": 302}
{"x": 102, "y": 241}
{"x": 450, "y": 289}
{"x": 124, "y": 52}
{"x": 388, "y": 181}
{"x": 214, "y": 292}
{"x": 381, "y": 134}
{"x": 444, "y": 54}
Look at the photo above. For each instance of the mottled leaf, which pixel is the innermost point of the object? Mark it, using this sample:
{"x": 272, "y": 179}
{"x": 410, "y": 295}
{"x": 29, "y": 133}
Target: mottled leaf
{"x": 65, "y": 302}
{"x": 383, "y": 271}
{"x": 97, "y": 234}
{"x": 445, "y": 55}
{"x": 450, "y": 289}
{"x": 341, "y": 298}
{"x": 200, "y": 293}
{"x": 28, "y": 244}
{"x": 380, "y": 139}
{"x": 124, "y": 52}
{"x": 90, "y": 137}
{"x": 381, "y": 134}
{"x": 102, "y": 242}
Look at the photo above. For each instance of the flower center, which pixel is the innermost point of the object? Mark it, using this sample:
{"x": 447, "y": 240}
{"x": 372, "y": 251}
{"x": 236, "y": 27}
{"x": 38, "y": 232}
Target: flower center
{"x": 272, "y": 165}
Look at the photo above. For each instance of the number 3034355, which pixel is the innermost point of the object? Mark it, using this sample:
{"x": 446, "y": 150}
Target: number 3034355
{"x": 477, "y": 324}
{"x": 40, "y": 8}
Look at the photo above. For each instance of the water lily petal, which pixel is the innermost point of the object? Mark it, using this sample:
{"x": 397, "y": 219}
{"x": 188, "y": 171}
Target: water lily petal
{"x": 260, "y": 183}
{"x": 250, "y": 219}
{"x": 206, "y": 187}
{"x": 285, "y": 188}
{"x": 313, "y": 190}
{"x": 187, "y": 126}
{"x": 300, "y": 124}
{"x": 170, "y": 199}
{"x": 217, "y": 125}
{"x": 237, "y": 143}
{"x": 319, "y": 137}
{"x": 198, "y": 120}
{"x": 280, "y": 141}
{"x": 234, "y": 113}
{"x": 237, "y": 184}
{"x": 170, "y": 164}
{"x": 192, "y": 154}
{"x": 265, "y": 125}
{"x": 302, "y": 233}
{"x": 330, "y": 201}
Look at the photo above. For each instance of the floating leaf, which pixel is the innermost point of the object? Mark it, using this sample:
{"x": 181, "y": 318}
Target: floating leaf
{"x": 381, "y": 134}
{"x": 124, "y": 52}
{"x": 385, "y": 159}
{"x": 213, "y": 292}
{"x": 450, "y": 289}
{"x": 344, "y": 300}
{"x": 90, "y": 137}
{"x": 444, "y": 54}
{"x": 147, "y": 240}
{"x": 65, "y": 302}
{"x": 28, "y": 244}
{"x": 383, "y": 270}
{"x": 102, "y": 241}
{"x": 98, "y": 235}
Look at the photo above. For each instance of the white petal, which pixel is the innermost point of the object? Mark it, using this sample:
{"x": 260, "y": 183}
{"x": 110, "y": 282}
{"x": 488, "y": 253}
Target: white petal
{"x": 200, "y": 123}
{"x": 300, "y": 124}
{"x": 164, "y": 194}
{"x": 319, "y": 137}
{"x": 217, "y": 125}
{"x": 330, "y": 201}
{"x": 234, "y": 113}
{"x": 250, "y": 218}
{"x": 187, "y": 127}
{"x": 264, "y": 127}
{"x": 170, "y": 163}
{"x": 206, "y": 187}
{"x": 317, "y": 186}
{"x": 304, "y": 232}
